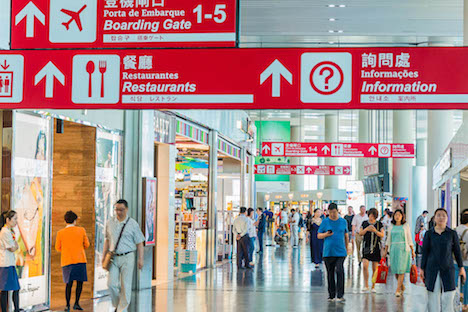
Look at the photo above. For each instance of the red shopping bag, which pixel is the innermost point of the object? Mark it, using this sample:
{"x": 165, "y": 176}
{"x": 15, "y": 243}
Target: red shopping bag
{"x": 380, "y": 275}
{"x": 414, "y": 274}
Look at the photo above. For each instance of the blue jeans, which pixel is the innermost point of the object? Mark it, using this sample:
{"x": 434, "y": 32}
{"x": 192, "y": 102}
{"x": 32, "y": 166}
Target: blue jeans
{"x": 260, "y": 239}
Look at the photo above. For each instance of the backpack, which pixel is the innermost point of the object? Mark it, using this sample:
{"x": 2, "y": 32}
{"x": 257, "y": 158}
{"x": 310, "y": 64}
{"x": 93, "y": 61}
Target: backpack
{"x": 464, "y": 246}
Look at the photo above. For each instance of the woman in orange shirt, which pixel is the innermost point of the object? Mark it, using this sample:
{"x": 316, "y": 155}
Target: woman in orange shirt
{"x": 71, "y": 242}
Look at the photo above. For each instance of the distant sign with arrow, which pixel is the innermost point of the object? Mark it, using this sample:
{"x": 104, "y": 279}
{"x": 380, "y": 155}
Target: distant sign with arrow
{"x": 306, "y": 149}
{"x": 301, "y": 170}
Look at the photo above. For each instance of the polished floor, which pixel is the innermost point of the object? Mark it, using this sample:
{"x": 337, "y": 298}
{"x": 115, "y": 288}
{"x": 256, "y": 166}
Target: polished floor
{"x": 283, "y": 280}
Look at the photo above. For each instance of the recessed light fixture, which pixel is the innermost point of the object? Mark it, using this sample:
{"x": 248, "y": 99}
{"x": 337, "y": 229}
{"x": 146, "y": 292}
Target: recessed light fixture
{"x": 332, "y": 19}
{"x": 331, "y": 31}
{"x": 340, "y": 31}
{"x": 331, "y": 42}
{"x": 342, "y": 5}
{"x": 331, "y": 5}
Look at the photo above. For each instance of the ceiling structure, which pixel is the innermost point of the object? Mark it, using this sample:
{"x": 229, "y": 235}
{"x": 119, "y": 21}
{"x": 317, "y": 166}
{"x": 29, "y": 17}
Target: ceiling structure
{"x": 315, "y": 23}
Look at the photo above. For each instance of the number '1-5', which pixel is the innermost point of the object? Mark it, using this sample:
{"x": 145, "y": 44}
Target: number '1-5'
{"x": 219, "y": 15}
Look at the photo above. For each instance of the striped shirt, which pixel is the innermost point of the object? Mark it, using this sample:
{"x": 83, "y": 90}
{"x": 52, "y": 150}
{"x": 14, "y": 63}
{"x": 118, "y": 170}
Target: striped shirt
{"x": 131, "y": 235}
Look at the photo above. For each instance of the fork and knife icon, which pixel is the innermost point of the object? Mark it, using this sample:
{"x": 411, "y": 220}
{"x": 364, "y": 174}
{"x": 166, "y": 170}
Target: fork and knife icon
{"x": 90, "y": 69}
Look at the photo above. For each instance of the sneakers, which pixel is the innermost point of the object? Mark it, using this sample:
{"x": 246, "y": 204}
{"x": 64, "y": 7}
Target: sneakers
{"x": 330, "y": 299}
{"x": 365, "y": 289}
{"x": 342, "y": 300}
{"x": 373, "y": 290}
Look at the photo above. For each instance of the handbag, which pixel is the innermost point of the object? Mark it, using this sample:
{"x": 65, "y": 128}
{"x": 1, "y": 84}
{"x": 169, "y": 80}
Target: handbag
{"x": 380, "y": 275}
{"x": 106, "y": 263}
{"x": 414, "y": 274}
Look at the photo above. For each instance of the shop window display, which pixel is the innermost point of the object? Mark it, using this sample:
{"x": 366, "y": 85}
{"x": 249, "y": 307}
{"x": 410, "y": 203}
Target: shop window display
{"x": 31, "y": 198}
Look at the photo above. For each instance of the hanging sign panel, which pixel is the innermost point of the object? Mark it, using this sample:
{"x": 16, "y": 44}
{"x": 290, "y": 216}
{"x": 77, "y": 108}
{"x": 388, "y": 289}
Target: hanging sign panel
{"x": 377, "y": 78}
{"x": 38, "y": 24}
{"x": 302, "y": 149}
{"x": 301, "y": 170}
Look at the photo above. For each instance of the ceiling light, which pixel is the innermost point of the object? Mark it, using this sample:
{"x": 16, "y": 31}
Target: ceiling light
{"x": 331, "y": 31}
{"x": 331, "y": 42}
{"x": 332, "y": 19}
{"x": 340, "y": 31}
{"x": 342, "y": 5}
{"x": 331, "y": 5}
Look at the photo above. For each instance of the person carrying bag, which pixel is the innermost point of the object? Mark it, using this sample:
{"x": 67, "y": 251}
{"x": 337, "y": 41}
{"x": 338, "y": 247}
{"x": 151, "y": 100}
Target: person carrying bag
{"x": 380, "y": 275}
{"x": 106, "y": 263}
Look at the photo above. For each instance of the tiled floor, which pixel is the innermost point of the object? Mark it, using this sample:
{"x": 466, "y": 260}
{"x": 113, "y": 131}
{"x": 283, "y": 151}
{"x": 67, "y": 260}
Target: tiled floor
{"x": 283, "y": 280}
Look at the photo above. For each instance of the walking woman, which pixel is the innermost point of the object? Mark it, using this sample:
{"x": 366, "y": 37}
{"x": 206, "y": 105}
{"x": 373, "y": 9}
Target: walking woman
{"x": 462, "y": 231}
{"x": 400, "y": 244}
{"x": 372, "y": 232}
{"x": 72, "y": 242}
{"x": 316, "y": 245}
{"x": 440, "y": 244}
{"x": 8, "y": 276}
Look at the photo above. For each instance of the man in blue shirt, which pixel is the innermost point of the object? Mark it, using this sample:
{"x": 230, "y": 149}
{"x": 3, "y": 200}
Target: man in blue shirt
{"x": 261, "y": 225}
{"x": 334, "y": 232}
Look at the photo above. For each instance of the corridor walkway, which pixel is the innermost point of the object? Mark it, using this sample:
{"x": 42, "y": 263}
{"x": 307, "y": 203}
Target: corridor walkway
{"x": 284, "y": 280}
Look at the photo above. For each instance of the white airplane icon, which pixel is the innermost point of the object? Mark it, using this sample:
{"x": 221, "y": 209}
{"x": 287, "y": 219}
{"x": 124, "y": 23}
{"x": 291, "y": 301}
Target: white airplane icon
{"x": 75, "y": 16}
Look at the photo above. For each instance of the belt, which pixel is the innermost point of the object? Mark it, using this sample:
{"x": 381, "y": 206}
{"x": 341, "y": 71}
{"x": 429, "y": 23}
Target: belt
{"x": 123, "y": 254}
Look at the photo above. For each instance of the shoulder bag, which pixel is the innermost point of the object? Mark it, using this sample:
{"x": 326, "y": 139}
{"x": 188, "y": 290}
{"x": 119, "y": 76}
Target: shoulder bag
{"x": 106, "y": 263}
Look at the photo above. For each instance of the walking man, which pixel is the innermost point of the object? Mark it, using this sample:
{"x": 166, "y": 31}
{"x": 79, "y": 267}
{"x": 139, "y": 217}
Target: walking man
{"x": 294, "y": 228}
{"x": 123, "y": 264}
{"x": 261, "y": 225}
{"x": 357, "y": 223}
{"x": 334, "y": 231}
{"x": 240, "y": 228}
{"x": 421, "y": 222}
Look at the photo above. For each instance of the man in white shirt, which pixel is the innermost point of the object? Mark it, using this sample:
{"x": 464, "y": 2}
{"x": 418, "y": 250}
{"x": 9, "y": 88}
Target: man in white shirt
{"x": 240, "y": 230}
{"x": 357, "y": 223}
{"x": 294, "y": 228}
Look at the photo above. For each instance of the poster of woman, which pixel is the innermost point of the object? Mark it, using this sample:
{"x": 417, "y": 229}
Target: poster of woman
{"x": 150, "y": 199}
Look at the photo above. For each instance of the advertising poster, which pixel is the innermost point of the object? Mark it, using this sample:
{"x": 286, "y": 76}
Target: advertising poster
{"x": 272, "y": 131}
{"x": 150, "y": 200}
{"x": 31, "y": 199}
{"x": 108, "y": 191}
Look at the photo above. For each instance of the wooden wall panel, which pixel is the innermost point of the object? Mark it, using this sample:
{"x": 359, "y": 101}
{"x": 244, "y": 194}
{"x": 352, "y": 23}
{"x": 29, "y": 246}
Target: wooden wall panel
{"x": 74, "y": 162}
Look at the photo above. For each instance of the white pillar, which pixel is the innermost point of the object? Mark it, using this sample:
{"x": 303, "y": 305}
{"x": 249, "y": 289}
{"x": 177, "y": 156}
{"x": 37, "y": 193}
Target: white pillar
{"x": 296, "y": 181}
{"x": 439, "y": 134}
{"x": 363, "y": 138}
{"x": 403, "y": 132}
{"x": 331, "y": 135}
{"x": 212, "y": 254}
{"x": 243, "y": 199}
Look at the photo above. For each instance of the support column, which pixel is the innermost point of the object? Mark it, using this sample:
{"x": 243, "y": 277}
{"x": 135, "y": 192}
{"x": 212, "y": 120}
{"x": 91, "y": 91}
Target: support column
{"x": 252, "y": 193}
{"x": 403, "y": 132}
{"x": 243, "y": 199}
{"x": 363, "y": 138}
{"x": 296, "y": 181}
{"x": 439, "y": 134}
{"x": 211, "y": 256}
{"x": 331, "y": 135}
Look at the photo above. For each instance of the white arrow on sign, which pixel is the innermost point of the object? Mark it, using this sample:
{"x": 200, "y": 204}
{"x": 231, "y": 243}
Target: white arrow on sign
{"x": 347, "y": 170}
{"x": 30, "y": 11}
{"x": 49, "y": 72}
{"x": 373, "y": 150}
{"x": 266, "y": 149}
{"x": 325, "y": 149}
{"x": 308, "y": 170}
{"x": 276, "y": 70}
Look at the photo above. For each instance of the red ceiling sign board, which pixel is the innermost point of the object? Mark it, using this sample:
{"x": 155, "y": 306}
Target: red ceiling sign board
{"x": 302, "y": 170}
{"x": 38, "y": 24}
{"x": 379, "y": 78}
{"x": 301, "y": 149}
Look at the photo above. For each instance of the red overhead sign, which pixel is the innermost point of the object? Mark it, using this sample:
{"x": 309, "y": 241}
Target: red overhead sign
{"x": 40, "y": 24}
{"x": 236, "y": 79}
{"x": 301, "y": 149}
{"x": 302, "y": 170}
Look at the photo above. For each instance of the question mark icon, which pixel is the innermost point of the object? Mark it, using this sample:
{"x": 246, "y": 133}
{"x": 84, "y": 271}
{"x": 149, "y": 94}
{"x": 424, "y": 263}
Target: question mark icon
{"x": 328, "y": 76}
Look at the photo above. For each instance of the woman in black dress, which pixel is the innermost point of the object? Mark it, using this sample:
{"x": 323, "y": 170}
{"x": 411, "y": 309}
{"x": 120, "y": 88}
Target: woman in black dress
{"x": 373, "y": 231}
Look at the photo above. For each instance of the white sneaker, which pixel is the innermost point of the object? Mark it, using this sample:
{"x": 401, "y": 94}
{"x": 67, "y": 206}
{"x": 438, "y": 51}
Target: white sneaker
{"x": 373, "y": 290}
{"x": 365, "y": 289}
{"x": 342, "y": 300}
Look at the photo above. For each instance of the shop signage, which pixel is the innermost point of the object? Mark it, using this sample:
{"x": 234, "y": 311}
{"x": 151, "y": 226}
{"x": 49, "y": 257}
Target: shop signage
{"x": 192, "y": 132}
{"x": 372, "y": 150}
{"x": 359, "y": 78}
{"x": 228, "y": 149}
{"x": 164, "y": 128}
{"x": 302, "y": 170}
{"x": 444, "y": 164}
{"x": 44, "y": 24}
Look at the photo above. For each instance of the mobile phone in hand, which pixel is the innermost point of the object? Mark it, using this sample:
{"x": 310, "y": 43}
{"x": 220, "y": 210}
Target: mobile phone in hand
{"x": 329, "y": 231}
